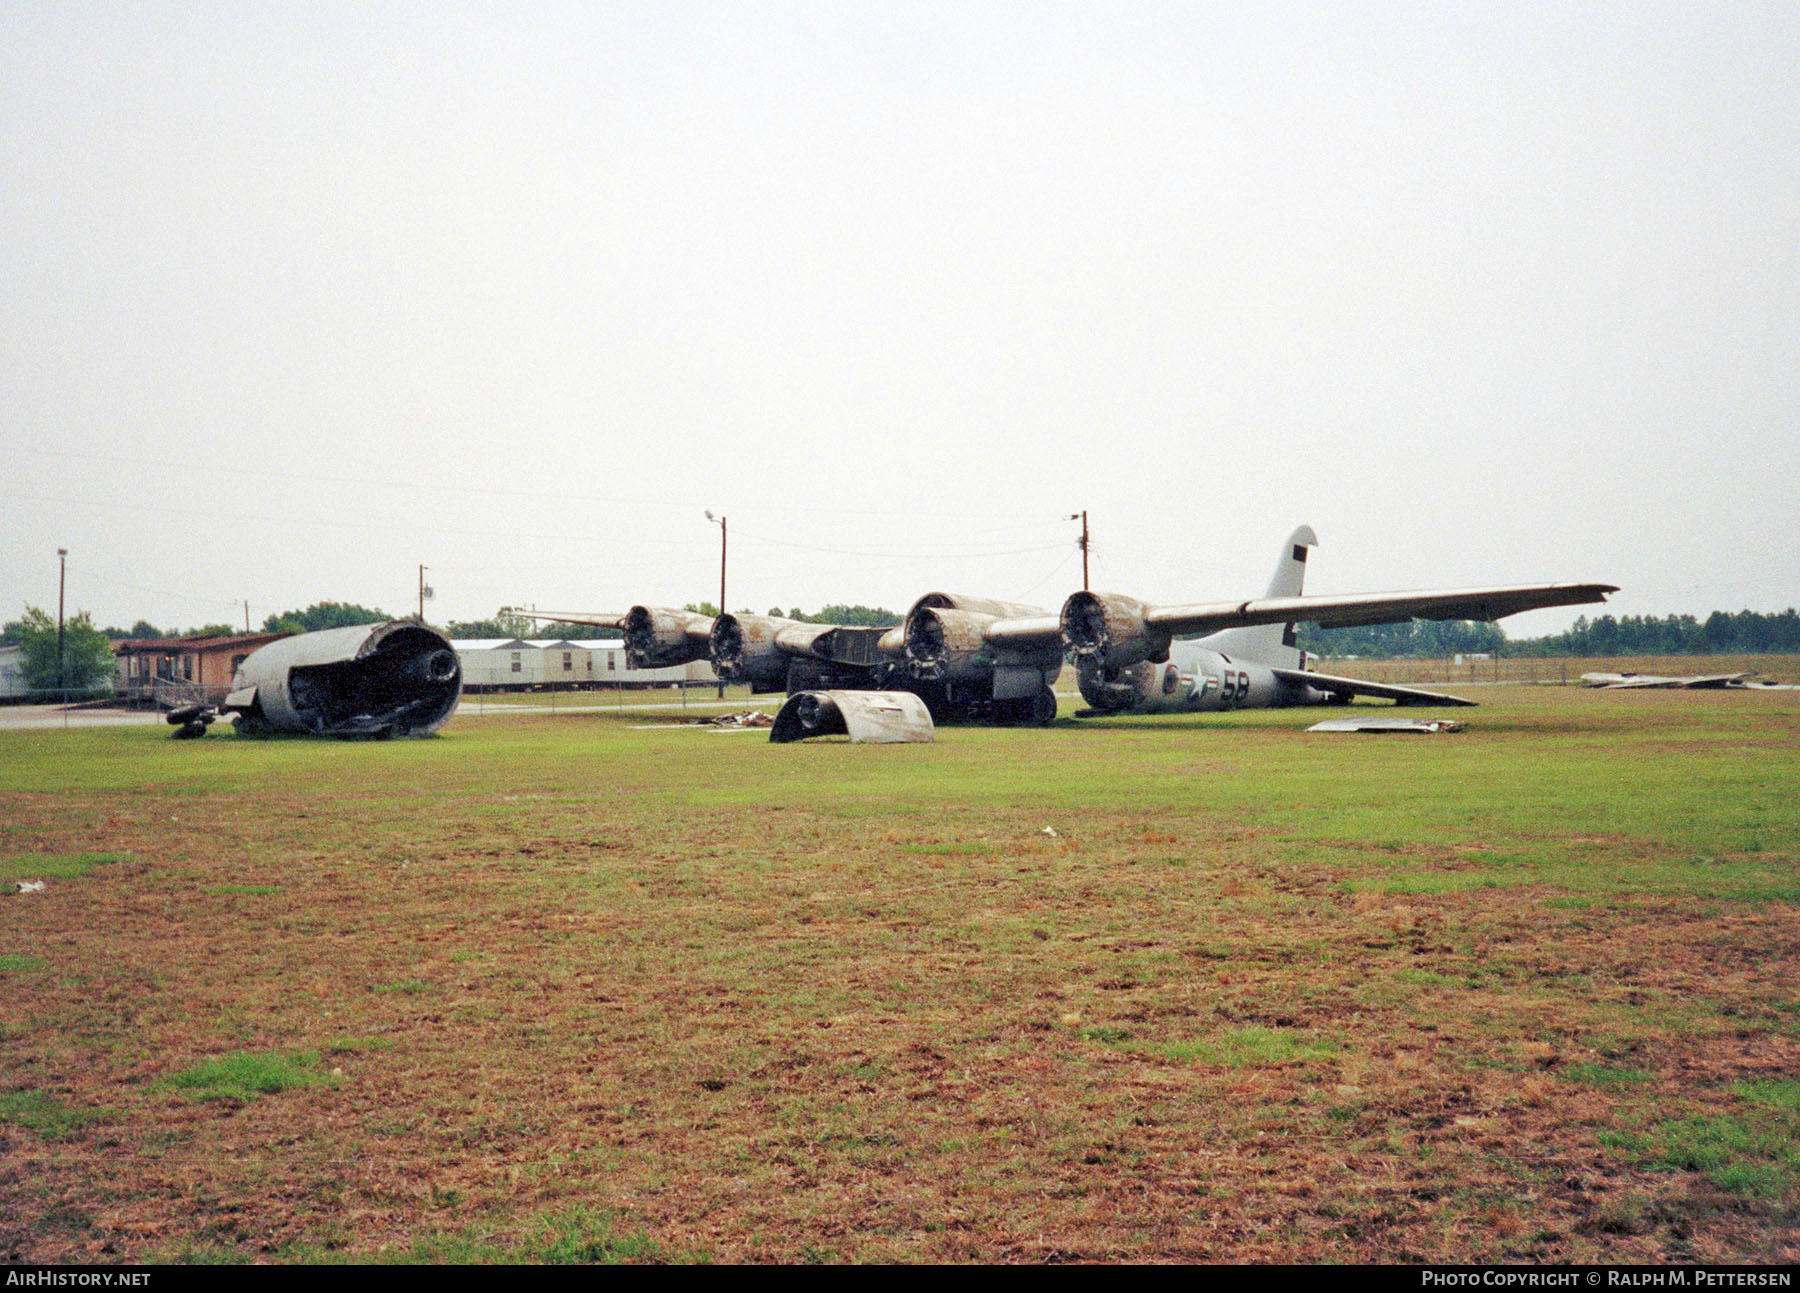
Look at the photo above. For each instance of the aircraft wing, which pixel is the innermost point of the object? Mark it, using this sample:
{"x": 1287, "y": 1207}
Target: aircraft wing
{"x": 599, "y": 619}
{"x": 1344, "y": 610}
{"x": 1026, "y": 632}
{"x": 1349, "y": 687}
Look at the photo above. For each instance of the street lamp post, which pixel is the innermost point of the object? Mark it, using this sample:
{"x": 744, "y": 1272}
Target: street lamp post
{"x": 723, "y": 532}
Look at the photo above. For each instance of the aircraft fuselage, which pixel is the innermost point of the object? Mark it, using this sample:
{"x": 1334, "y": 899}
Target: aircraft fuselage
{"x": 1195, "y": 679}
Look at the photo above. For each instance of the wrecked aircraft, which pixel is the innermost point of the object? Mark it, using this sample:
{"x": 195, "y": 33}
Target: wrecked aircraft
{"x": 975, "y": 659}
{"x": 369, "y": 680}
{"x": 1130, "y": 657}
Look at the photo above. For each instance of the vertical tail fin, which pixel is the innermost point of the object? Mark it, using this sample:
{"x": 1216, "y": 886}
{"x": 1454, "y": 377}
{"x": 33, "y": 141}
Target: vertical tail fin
{"x": 1273, "y": 644}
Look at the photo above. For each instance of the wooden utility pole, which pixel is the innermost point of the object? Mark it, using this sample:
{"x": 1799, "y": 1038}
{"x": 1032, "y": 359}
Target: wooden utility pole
{"x": 62, "y": 579}
{"x": 722, "y": 536}
{"x": 1082, "y": 517}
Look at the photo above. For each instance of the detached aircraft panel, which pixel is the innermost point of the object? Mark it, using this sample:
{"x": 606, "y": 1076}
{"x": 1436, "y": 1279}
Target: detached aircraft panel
{"x": 1636, "y": 681}
{"x": 866, "y": 717}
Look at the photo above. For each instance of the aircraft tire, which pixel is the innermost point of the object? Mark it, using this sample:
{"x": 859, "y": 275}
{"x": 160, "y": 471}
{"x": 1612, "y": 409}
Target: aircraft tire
{"x": 1043, "y": 708}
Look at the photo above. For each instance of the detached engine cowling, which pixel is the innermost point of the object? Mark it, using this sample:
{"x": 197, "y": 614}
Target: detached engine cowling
{"x": 657, "y": 637}
{"x": 1110, "y": 630}
{"x": 372, "y": 680}
{"x": 874, "y": 717}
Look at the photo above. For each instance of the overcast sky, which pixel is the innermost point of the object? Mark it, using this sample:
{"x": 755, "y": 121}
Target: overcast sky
{"x": 296, "y": 297}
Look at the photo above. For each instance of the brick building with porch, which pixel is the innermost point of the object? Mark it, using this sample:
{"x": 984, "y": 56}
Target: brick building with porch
{"x": 167, "y": 672}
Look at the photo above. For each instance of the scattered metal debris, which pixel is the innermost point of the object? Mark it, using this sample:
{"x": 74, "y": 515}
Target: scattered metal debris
{"x": 738, "y": 722}
{"x": 31, "y": 886}
{"x": 871, "y": 717}
{"x": 1420, "y": 725}
{"x": 1629, "y": 681}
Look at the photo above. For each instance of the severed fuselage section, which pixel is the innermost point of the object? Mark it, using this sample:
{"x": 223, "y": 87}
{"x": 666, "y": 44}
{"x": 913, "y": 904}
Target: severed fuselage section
{"x": 370, "y": 680}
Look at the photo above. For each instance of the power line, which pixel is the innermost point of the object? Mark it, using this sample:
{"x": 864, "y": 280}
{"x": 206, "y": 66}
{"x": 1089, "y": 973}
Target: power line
{"x": 233, "y": 602}
{"x": 903, "y": 556}
{"x": 493, "y": 491}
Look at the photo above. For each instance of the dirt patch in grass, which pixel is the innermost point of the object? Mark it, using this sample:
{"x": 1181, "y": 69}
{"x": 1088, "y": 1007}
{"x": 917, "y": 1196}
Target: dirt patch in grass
{"x": 783, "y": 1003}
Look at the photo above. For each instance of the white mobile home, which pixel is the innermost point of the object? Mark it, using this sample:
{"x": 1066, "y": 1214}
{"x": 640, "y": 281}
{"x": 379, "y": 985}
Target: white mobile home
{"x": 12, "y": 673}
{"x": 491, "y": 664}
{"x": 610, "y": 668}
{"x": 567, "y": 665}
{"x": 519, "y": 664}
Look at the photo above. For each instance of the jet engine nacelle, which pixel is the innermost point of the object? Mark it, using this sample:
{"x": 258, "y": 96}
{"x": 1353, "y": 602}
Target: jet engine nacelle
{"x": 377, "y": 680}
{"x": 975, "y": 658}
{"x": 944, "y": 645}
{"x": 1111, "y": 631}
{"x": 748, "y": 648}
{"x": 657, "y": 637}
{"x": 948, "y": 640}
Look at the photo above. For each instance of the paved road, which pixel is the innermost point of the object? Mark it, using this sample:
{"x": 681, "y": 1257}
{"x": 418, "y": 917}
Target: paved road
{"x": 52, "y": 717}
{"x": 15, "y": 717}
{"x": 46, "y": 717}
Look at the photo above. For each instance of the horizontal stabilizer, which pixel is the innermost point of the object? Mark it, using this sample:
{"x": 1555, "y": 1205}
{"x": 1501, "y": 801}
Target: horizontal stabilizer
{"x": 1350, "y": 687}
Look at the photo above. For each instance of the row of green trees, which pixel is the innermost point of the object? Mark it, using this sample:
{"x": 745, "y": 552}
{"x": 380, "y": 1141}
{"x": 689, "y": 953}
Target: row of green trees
{"x": 1721, "y": 633}
{"x": 1421, "y": 639}
{"x": 85, "y": 666}
{"x": 510, "y": 624}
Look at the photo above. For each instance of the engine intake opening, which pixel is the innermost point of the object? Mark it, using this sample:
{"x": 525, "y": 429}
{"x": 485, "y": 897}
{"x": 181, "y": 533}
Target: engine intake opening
{"x": 926, "y": 649}
{"x": 727, "y": 648}
{"x": 639, "y": 633}
{"x": 1084, "y": 625}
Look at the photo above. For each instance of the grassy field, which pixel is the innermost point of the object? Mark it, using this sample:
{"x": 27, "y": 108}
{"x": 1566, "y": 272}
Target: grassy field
{"x": 1556, "y": 670}
{"x": 546, "y": 987}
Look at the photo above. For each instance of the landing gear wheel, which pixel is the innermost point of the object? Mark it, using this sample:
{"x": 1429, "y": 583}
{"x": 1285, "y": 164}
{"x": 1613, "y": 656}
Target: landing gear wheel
{"x": 1043, "y": 708}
